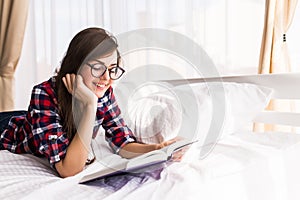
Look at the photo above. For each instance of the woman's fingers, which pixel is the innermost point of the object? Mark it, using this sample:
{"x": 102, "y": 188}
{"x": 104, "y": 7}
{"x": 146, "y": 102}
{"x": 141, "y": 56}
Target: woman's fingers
{"x": 69, "y": 81}
{"x": 178, "y": 155}
{"x": 171, "y": 141}
{"x": 167, "y": 143}
{"x": 66, "y": 83}
{"x": 76, "y": 86}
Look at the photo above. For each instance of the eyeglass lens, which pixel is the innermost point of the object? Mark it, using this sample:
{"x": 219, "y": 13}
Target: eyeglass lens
{"x": 98, "y": 70}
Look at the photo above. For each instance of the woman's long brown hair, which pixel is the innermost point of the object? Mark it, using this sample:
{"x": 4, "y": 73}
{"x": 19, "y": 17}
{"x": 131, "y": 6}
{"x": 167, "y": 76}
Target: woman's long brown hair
{"x": 88, "y": 44}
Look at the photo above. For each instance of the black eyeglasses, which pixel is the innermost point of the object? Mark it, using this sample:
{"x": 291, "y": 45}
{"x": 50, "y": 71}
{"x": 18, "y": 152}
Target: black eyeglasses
{"x": 98, "y": 70}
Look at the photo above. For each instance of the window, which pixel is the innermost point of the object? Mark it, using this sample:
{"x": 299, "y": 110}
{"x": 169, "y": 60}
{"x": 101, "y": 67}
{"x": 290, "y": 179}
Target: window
{"x": 227, "y": 30}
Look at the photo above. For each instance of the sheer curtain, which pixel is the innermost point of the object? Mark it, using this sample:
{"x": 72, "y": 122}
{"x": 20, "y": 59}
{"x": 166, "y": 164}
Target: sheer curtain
{"x": 227, "y": 30}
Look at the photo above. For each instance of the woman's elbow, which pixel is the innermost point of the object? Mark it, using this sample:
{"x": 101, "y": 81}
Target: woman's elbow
{"x": 65, "y": 171}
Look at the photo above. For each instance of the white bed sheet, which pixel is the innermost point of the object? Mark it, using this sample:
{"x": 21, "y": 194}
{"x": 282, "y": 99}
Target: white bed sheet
{"x": 241, "y": 166}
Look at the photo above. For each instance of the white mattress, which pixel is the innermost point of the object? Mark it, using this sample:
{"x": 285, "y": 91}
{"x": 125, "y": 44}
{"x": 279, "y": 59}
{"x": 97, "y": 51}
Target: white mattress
{"x": 241, "y": 166}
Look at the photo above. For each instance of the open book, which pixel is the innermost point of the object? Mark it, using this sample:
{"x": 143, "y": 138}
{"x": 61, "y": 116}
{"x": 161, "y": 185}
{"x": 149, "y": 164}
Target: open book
{"x": 119, "y": 166}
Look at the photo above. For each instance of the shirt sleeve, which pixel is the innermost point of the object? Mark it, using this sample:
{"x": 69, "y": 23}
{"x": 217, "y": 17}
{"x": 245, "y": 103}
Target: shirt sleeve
{"x": 117, "y": 133}
{"x": 47, "y": 130}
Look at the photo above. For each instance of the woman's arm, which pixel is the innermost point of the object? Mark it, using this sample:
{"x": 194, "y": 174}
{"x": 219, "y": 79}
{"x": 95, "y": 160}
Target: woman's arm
{"x": 78, "y": 149}
{"x": 134, "y": 149}
{"x": 120, "y": 137}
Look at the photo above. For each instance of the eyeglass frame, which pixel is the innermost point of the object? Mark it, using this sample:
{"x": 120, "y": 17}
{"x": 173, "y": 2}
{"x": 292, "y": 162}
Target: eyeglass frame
{"x": 106, "y": 69}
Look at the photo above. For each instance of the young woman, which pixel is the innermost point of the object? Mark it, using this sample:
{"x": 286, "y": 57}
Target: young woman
{"x": 67, "y": 110}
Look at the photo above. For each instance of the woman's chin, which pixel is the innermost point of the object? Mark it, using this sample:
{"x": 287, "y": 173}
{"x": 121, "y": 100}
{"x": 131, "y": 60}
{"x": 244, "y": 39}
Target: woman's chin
{"x": 99, "y": 91}
{"x": 100, "y": 95}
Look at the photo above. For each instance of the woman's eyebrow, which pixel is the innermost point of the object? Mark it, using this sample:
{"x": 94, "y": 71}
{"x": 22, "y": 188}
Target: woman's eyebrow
{"x": 112, "y": 64}
{"x": 99, "y": 61}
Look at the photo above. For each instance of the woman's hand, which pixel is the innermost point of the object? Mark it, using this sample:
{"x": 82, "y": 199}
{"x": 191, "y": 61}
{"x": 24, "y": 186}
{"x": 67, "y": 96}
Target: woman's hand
{"x": 177, "y": 155}
{"x": 134, "y": 149}
{"x": 168, "y": 142}
{"x": 76, "y": 87}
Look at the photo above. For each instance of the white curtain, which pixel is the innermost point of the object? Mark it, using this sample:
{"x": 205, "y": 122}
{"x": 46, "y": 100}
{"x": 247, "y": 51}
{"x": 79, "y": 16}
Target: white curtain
{"x": 227, "y": 30}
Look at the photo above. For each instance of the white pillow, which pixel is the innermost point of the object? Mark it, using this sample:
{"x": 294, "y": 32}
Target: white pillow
{"x": 224, "y": 108}
{"x": 203, "y": 111}
{"x": 154, "y": 118}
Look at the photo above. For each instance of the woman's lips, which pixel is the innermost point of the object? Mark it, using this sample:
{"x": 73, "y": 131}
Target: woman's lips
{"x": 101, "y": 85}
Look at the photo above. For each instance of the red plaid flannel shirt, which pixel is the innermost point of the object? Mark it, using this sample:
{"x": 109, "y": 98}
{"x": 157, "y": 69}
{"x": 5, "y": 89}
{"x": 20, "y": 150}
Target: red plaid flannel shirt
{"x": 40, "y": 131}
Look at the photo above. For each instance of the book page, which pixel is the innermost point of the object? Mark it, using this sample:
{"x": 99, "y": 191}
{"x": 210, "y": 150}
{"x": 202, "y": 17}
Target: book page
{"x": 147, "y": 159}
{"x": 163, "y": 154}
{"x": 113, "y": 160}
{"x": 104, "y": 166}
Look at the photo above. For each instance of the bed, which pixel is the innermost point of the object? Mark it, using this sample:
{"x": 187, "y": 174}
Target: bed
{"x": 236, "y": 164}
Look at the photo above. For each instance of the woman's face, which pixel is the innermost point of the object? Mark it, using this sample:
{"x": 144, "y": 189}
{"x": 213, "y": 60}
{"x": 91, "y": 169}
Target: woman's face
{"x": 101, "y": 84}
